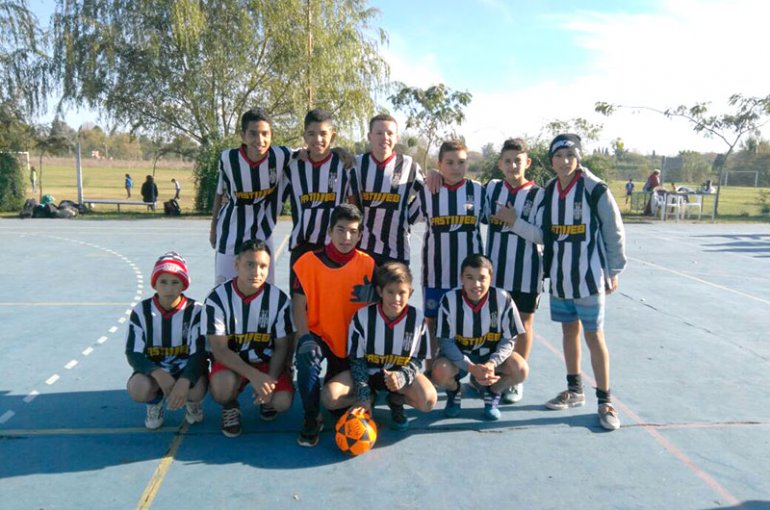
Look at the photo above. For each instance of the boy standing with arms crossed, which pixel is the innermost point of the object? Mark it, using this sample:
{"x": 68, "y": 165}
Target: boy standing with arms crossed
{"x": 248, "y": 324}
{"x": 321, "y": 298}
{"x": 583, "y": 236}
{"x": 165, "y": 346}
{"x": 477, "y": 328}
{"x": 517, "y": 261}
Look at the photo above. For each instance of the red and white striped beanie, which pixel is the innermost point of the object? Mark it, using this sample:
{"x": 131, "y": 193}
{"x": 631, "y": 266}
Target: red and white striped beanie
{"x": 173, "y": 264}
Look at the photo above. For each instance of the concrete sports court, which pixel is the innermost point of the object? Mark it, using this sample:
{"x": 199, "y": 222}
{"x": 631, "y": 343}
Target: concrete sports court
{"x": 687, "y": 333}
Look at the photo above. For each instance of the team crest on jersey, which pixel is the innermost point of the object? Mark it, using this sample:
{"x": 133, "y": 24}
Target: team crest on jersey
{"x": 408, "y": 339}
{"x": 577, "y": 211}
{"x": 332, "y": 180}
{"x": 272, "y": 176}
{"x": 264, "y": 318}
{"x": 185, "y": 329}
{"x": 469, "y": 203}
{"x": 493, "y": 320}
{"x": 527, "y": 208}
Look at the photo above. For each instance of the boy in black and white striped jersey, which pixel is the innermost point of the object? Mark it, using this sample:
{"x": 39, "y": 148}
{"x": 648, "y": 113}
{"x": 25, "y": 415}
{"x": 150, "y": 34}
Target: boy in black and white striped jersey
{"x": 387, "y": 342}
{"x": 477, "y": 329}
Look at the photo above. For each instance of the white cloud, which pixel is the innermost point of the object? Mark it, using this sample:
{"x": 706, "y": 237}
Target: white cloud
{"x": 687, "y": 52}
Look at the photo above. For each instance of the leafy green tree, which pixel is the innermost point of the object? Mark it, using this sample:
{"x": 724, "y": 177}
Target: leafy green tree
{"x": 587, "y": 131}
{"x": 15, "y": 135}
{"x": 24, "y": 61}
{"x": 193, "y": 66}
{"x": 54, "y": 138}
{"x": 748, "y": 116}
{"x": 432, "y": 112}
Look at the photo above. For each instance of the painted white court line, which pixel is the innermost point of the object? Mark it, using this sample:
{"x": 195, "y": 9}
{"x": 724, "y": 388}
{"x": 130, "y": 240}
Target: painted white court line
{"x": 113, "y": 329}
{"x": 88, "y": 351}
{"x": 6, "y": 416}
{"x": 102, "y": 339}
{"x": 52, "y": 379}
{"x": 32, "y": 395}
{"x": 700, "y": 280}
{"x": 72, "y": 364}
{"x": 122, "y": 320}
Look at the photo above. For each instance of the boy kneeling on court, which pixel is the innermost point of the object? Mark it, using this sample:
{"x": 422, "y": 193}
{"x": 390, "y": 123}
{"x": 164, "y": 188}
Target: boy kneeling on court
{"x": 387, "y": 342}
{"x": 477, "y": 328}
{"x": 248, "y": 324}
{"x": 324, "y": 302}
{"x": 165, "y": 346}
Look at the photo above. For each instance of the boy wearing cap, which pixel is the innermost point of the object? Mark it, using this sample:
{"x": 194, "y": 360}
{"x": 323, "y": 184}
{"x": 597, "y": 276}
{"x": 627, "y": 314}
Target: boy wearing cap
{"x": 580, "y": 226}
{"x": 165, "y": 346}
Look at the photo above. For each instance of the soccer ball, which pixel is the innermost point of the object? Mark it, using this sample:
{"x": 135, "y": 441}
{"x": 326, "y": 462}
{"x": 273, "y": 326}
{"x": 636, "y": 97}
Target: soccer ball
{"x": 356, "y": 432}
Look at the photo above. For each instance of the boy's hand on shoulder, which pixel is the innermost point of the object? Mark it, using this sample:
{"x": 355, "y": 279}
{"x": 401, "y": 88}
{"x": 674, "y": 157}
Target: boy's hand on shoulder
{"x": 394, "y": 379}
{"x": 363, "y": 293}
{"x": 178, "y": 395}
{"x": 348, "y": 160}
{"x": 505, "y": 213}
{"x": 433, "y": 181}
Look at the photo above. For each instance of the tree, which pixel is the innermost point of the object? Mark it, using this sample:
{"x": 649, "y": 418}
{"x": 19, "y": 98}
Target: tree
{"x": 16, "y": 135}
{"x": 431, "y": 111}
{"x": 52, "y": 138}
{"x": 193, "y": 66}
{"x": 586, "y": 130}
{"x": 24, "y": 76}
{"x": 748, "y": 116}
{"x": 11, "y": 183}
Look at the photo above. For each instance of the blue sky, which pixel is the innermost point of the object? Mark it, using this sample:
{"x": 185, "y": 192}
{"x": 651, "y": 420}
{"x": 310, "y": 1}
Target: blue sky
{"x": 529, "y": 62}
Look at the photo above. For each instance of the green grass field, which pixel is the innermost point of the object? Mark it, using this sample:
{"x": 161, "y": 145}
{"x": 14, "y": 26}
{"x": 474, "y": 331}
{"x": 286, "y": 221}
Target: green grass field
{"x": 104, "y": 179}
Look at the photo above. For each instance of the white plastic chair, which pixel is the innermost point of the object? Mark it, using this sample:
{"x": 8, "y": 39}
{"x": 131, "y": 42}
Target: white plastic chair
{"x": 673, "y": 205}
{"x": 694, "y": 201}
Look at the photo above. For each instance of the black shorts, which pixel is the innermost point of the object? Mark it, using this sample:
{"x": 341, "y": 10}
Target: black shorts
{"x": 526, "y": 302}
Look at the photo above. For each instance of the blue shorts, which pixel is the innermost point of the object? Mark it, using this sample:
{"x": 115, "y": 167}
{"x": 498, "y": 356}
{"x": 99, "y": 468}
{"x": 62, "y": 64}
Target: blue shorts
{"x": 588, "y": 310}
{"x": 431, "y": 297}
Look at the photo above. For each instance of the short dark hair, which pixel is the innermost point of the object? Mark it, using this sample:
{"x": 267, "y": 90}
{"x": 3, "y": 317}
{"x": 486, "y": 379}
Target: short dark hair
{"x": 514, "y": 144}
{"x": 253, "y": 245}
{"x": 477, "y": 261}
{"x": 317, "y": 115}
{"x": 255, "y": 115}
{"x": 345, "y": 212}
{"x": 392, "y": 272}
{"x": 384, "y": 117}
{"x": 450, "y": 146}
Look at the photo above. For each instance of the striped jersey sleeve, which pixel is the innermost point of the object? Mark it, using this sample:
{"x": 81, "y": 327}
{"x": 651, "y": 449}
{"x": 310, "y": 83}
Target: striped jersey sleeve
{"x": 388, "y": 344}
{"x": 251, "y": 324}
{"x": 478, "y": 328}
{"x": 251, "y": 189}
{"x": 453, "y": 216}
{"x": 166, "y": 338}
{"x": 314, "y": 190}
{"x": 517, "y": 261}
{"x": 383, "y": 191}
{"x": 574, "y": 247}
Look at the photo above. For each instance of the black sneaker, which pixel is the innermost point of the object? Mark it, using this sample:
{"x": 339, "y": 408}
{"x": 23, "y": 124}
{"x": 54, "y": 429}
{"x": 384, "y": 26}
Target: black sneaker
{"x": 231, "y": 420}
{"x": 398, "y": 420}
{"x": 267, "y": 412}
{"x": 311, "y": 432}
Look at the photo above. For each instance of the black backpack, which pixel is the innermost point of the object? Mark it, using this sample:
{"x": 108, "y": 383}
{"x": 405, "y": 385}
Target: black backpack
{"x": 171, "y": 208}
{"x": 29, "y": 208}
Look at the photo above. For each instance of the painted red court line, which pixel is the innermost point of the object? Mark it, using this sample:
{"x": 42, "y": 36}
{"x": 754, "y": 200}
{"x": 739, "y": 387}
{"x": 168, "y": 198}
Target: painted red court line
{"x": 659, "y": 438}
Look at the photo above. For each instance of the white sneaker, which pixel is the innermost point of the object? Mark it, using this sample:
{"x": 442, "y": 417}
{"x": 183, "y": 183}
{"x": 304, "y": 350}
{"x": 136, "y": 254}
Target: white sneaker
{"x": 608, "y": 417}
{"x": 154, "y": 418}
{"x": 193, "y": 412}
{"x": 513, "y": 394}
